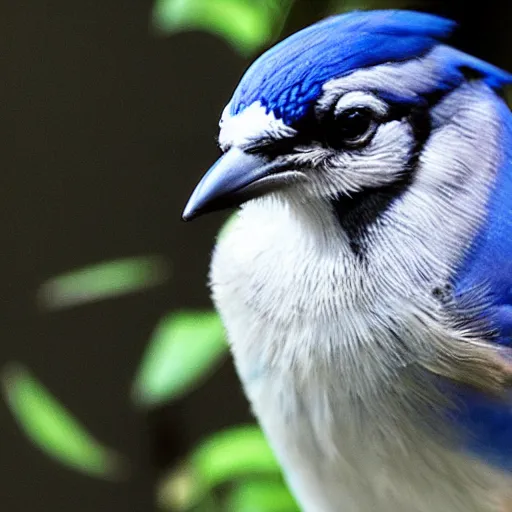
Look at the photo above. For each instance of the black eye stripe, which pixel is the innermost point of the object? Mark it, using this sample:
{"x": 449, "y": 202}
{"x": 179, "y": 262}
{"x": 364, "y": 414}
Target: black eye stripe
{"x": 421, "y": 124}
{"x": 314, "y": 128}
{"x": 273, "y": 147}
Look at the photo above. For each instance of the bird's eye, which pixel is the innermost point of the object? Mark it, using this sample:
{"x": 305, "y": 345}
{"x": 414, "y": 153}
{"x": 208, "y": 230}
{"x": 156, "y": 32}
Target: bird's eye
{"x": 353, "y": 127}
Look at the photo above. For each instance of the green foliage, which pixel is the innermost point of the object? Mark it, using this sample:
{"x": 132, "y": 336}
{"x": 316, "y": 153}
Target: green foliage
{"x": 49, "y": 426}
{"x": 184, "y": 348}
{"x": 230, "y": 456}
{"x": 260, "y": 496}
{"x": 104, "y": 280}
{"x": 248, "y": 25}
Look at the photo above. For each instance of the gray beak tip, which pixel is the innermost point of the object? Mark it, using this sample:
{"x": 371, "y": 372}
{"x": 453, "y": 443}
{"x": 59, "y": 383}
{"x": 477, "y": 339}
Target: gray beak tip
{"x": 224, "y": 184}
{"x": 186, "y": 215}
{"x": 187, "y": 218}
{"x": 189, "y": 213}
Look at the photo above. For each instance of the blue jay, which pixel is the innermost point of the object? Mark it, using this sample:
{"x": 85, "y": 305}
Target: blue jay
{"x": 366, "y": 284}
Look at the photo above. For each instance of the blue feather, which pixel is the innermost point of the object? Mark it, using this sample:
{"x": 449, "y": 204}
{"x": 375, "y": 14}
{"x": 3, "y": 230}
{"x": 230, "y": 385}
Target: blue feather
{"x": 489, "y": 259}
{"x": 288, "y": 78}
{"x": 487, "y": 422}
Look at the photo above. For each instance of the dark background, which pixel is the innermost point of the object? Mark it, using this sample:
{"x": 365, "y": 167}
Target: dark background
{"x": 107, "y": 129}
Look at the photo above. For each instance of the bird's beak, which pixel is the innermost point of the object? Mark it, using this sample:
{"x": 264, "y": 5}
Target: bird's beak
{"x": 235, "y": 178}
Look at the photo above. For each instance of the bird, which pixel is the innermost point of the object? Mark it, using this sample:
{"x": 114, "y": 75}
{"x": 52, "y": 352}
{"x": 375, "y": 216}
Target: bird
{"x": 365, "y": 283}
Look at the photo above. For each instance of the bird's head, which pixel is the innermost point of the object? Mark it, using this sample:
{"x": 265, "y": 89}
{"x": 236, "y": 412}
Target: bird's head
{"x": 340, "y": 109}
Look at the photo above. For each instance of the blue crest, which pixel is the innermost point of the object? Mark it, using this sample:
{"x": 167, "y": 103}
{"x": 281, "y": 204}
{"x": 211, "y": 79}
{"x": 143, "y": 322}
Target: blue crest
{"x": 289, "y": 77}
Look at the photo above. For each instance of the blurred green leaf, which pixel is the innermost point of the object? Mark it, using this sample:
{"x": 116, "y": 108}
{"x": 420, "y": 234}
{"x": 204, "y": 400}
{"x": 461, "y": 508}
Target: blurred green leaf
{"x": 232, "y": 453}
{"x": 184, "y": 349}
{"x": 104, "y": 280}
{"x": 261, "y": 496}
{"x": 225, "y": 456}
{"x": 49, "y": 426}
{"x": 247, "y": 25}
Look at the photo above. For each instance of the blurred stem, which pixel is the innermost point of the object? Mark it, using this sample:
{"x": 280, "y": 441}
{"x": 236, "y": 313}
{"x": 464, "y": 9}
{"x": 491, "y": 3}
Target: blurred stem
{"x": 303, "y": 13}
{"x": 285, "y": 8}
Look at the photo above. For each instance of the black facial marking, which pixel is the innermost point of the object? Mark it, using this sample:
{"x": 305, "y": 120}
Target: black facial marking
{"x": 272, "y": 147}
{"x": 356, "y": 213}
